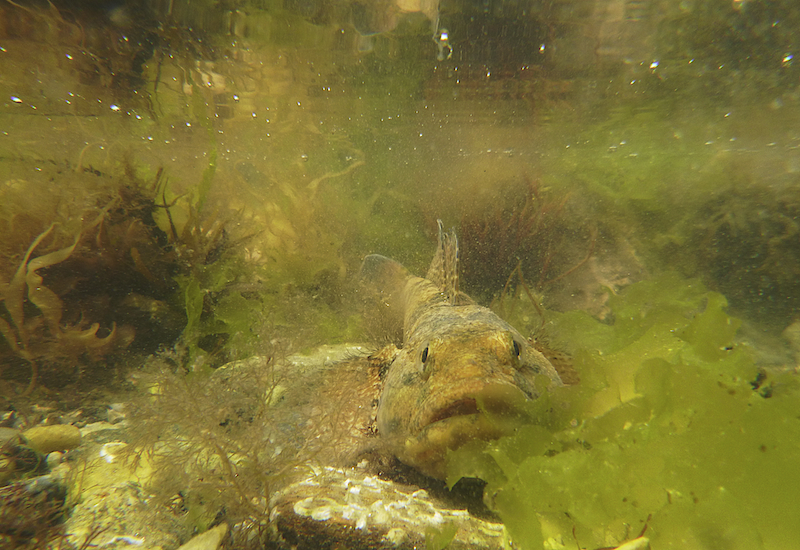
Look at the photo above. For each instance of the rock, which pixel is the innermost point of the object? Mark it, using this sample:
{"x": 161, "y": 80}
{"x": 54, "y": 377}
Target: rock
{"x": 54, "y": 459}
{"x": 210, "y": 540}
{"x": 348, "y": 508}
{"x": 103, "y": 432}
{"x": 59, "y": 437}
{"x": 113, "y": 510}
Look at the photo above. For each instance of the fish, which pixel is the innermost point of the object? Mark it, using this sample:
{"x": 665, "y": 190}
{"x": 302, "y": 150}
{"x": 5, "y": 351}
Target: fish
{"x": 460, "y": 370}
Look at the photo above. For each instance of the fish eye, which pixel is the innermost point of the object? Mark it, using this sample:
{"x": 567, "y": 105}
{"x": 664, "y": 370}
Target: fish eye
{"x": 517, "y": 349}
{"x": 424, "y": 356}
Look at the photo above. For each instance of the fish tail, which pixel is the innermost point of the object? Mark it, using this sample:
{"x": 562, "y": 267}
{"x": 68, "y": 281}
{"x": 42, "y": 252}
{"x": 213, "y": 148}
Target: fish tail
{"x": 383, "y": 273}
{"x": 383, "y": 281}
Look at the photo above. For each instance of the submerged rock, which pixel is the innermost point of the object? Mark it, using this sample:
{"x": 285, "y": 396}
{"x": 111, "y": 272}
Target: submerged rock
{"x": 59, "y": 437}
{"x": 114, "y": 509}
{"x": 209, "y": 540}
{"x": 349, "y": 508}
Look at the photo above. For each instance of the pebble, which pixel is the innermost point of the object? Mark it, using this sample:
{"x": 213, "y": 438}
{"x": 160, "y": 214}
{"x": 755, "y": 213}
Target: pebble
{"x": 117, "y": 413}
{"x": 58, "y": 437}
{"x": 210, "y": 540}
{"x": 54, "y": 459}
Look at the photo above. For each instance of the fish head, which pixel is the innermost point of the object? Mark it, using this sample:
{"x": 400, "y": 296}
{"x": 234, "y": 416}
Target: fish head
{"x": 469, "y": 378}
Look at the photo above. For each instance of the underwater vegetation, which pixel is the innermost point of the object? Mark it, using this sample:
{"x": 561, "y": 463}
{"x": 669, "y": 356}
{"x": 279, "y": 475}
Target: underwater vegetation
{"x": 750, "y": 243}
{"x": 82, "y": 263}
{"x": 673, "y": 428}
{"x": 98, "y": 267}
{"x": 218, "y": 444}
{"x": 727, "y": 215}
{"x": 31, "y": 517}
{"x": 525, "y": 238}
{"x": 34, "y": 506}
{"x": 206, "y": 439}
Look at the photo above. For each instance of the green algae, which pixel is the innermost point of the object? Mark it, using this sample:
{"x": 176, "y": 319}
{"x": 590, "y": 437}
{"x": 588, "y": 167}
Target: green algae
{"x": 665, "y": 430}
{"x": 691, "y": 191}
{"x": 438, "y": 539}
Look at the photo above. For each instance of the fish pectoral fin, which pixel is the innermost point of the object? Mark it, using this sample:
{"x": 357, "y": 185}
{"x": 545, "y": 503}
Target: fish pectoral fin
{"x": 462, "y": 299}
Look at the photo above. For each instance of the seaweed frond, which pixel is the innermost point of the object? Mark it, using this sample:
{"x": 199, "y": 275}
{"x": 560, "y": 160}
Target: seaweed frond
{"x": 528, "y": 232}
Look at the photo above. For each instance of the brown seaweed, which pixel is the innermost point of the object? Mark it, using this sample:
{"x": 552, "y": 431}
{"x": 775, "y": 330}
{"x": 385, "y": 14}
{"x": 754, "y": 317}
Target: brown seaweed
{"x": 531, "y": 234}
{"x": 28, "y": 280}
{"x": 67, "y": 305}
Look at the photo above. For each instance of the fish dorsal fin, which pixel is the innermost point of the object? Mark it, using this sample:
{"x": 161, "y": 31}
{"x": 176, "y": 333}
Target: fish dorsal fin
{"x": 443, "y": 271}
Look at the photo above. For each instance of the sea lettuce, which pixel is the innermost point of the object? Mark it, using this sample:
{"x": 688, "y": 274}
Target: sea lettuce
{"x": 673, "y": 428}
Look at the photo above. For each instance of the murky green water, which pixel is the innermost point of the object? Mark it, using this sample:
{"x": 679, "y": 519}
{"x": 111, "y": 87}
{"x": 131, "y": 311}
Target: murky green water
{"x": 208, "y": 177}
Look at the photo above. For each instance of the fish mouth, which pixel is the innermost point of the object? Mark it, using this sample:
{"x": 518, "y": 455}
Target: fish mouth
{"x": 480, "y": 412}
{"x": 499, "y": 401}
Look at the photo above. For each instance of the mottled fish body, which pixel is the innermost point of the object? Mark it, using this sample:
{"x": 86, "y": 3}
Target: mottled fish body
{"x": 458, "y": 362}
